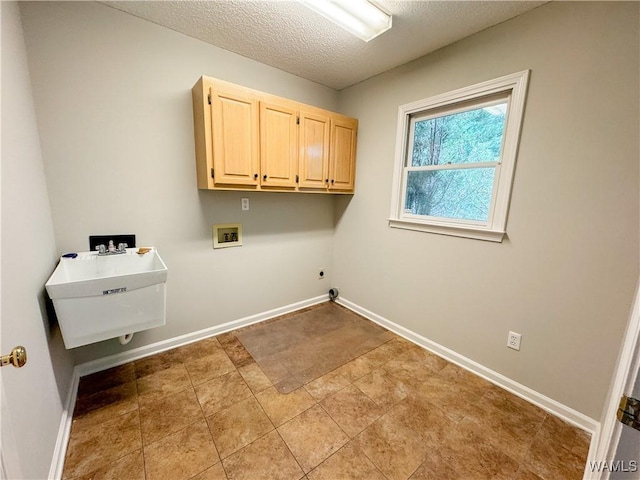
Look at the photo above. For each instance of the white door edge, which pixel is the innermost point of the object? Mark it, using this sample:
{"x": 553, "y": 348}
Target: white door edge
{"x": 9, "y": 458}
{"x": 626, "y": 372}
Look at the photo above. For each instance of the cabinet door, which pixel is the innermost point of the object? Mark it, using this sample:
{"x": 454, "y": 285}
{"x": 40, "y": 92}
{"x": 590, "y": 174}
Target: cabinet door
{"x": 314, "y": 150}
{"x": 342, "y": 167}
{"x": 235, "y": 137}
{"x": 278, "y": 145}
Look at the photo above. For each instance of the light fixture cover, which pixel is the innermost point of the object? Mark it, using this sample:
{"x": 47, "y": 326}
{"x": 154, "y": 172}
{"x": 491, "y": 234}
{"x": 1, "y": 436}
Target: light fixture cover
{"x": 360, "y": 17}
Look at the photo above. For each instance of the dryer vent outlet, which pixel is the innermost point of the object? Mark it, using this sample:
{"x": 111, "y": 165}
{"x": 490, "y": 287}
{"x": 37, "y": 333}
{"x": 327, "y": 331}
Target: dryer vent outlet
{"x": 333, "y": 293}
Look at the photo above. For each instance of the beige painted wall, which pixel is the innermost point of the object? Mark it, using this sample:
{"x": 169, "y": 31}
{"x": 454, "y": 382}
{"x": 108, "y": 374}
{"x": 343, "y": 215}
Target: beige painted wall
{"x": 113, "y": 99}
{"x": 114, "y": 113}
{"x": 565, "y": 277}
{"x": 33, "y": 397}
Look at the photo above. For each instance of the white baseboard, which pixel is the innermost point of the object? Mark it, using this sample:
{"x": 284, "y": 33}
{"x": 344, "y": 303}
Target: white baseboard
{"x": 548, "y": 404}
{"x": 60, "y": 449}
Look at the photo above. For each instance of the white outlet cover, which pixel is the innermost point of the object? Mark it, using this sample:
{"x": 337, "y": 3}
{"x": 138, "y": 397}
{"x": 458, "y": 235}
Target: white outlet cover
{"x": 513, "y": 340}
{"x": 245, "y": 204}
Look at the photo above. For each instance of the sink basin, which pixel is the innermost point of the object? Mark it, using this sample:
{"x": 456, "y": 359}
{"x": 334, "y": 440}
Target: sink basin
{"x": 97, "y": 297}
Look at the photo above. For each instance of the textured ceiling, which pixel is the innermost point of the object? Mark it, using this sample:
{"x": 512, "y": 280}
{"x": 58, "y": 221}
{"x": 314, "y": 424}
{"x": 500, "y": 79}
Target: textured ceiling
{"x": 289, "y": 36}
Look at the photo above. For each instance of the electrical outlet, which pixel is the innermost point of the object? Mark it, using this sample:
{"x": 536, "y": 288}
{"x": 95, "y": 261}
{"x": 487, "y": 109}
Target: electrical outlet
{"x": 245, "y": 204}
{"x": 513, "y": 340}
{"x": 321, "y": 274}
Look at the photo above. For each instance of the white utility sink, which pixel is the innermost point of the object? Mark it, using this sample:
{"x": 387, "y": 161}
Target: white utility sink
{"x": 97, "y": 297}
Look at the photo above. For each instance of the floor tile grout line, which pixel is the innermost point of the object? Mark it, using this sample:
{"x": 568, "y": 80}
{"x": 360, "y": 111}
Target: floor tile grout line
{"x": 304, "y": 474}
{"x": 342, "y": 448}
{"x": 144, "y": 463}
{"x": 226, "y": 474}
{"x": 367, "y": 456}
{"x": 173, "y": 433}
{"x": 263, "y": 410}
{"x": 205, "y": 416}
{"x": 534, "y": 436}
{"x": 258, "y": 438}
{"x": 316, "y": 403}
{"x": 419, "y": 465}
{"x": 213, "y": 440}
{"x": 144, "y": 457}
{"x": 144, "y": 447}
{"x": 521, "y": 462}
{"x": 336, "y": 422}
{"x": 117, "y": 458}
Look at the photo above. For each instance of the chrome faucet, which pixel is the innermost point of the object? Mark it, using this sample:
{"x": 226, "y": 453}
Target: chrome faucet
{"x": 111, "y": 248}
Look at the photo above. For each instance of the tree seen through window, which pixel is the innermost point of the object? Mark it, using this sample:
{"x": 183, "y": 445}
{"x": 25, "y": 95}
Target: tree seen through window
{"x": 454, "y": 148}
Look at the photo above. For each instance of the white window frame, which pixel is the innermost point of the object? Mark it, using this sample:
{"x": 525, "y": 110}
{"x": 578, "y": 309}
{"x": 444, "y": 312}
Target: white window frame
{"x": 512, "y": 87}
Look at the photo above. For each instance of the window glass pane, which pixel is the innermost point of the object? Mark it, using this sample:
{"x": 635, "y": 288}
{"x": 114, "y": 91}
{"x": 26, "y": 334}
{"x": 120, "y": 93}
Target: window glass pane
{"x": 465, "y": 137}
{"x": 460, "y": 193}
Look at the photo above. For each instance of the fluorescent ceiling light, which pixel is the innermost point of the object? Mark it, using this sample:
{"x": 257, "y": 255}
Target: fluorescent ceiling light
{"x": 360, "y": 17}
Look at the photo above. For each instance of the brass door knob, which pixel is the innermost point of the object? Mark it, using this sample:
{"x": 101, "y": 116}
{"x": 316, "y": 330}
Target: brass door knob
{"x": 17, "y": 357}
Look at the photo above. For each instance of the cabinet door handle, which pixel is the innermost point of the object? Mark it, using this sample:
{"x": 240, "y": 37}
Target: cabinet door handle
{"x": 264, "y": 177}
{"x": 326, "y": 181}
{"x": 332, "y": 181}
{"x": 255, "y": 176}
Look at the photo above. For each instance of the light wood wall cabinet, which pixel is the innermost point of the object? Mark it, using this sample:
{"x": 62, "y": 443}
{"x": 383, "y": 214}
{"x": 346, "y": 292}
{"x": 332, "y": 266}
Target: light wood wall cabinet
{"x": 278, "y": 144}
{"x": 249, "y": 140}
{"x": 235, "y": 141}
{"x": 343, "y": 149}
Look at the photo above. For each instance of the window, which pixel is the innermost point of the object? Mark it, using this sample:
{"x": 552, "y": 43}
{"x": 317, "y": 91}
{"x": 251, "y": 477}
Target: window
{"x": 455, "y": 158}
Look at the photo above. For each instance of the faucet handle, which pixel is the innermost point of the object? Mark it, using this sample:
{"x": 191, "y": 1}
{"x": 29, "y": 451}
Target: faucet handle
{"x": 122, "y": 247}
{"x": 101, "y": 249}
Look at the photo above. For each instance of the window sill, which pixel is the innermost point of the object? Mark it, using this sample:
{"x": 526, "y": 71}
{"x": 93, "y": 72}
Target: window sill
{"x": 466, "y": 231}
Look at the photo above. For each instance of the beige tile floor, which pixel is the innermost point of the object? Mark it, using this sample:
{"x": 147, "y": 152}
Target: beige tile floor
{"x": 207, "y": 411}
